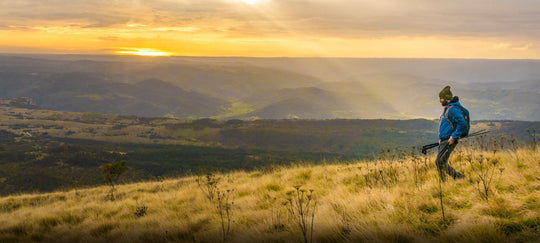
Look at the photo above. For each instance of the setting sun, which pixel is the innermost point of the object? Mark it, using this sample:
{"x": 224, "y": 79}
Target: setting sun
{"x": 250, "y": 1}
{"x": 144, "y": 52}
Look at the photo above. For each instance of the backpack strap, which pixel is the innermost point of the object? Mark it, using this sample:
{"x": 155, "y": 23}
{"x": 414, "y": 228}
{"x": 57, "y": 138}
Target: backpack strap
{"x": 446, "y": 116}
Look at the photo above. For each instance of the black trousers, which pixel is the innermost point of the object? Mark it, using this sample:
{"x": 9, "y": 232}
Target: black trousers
{"x": 442, "y": 160}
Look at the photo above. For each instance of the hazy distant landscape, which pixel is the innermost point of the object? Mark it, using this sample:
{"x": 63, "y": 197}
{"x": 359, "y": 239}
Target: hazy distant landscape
{"x": 272, "y": 88}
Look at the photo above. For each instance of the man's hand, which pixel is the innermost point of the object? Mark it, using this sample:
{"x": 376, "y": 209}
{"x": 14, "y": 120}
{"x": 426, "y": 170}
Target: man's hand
{"x": 451, "y": 141}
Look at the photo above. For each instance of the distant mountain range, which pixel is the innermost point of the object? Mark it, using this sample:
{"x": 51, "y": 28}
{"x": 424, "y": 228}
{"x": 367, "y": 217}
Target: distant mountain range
{"x": 190, "y": 88}
{"x": 93, "y": 92}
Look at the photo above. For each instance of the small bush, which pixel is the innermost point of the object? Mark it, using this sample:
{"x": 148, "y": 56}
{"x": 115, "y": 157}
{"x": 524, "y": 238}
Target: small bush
{"x": 484, "y": 169}
{"x": 112, "y": 173}
{"x": 225, "y": 201}
{"x": 208, "y": 185}
{"x": 140, "y": 210}
{"x": 302, "y": 205}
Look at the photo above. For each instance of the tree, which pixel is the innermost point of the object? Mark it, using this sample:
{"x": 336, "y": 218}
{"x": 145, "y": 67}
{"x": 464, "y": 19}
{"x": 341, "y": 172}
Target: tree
{"x": 112, "y": 173}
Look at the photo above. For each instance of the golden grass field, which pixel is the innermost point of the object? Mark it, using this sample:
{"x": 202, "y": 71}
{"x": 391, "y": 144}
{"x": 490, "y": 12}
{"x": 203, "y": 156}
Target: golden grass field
{"x": 386, "y": 200}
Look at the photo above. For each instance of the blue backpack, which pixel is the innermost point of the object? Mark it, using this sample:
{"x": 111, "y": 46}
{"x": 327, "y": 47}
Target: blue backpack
{"x": 465, "y": 113}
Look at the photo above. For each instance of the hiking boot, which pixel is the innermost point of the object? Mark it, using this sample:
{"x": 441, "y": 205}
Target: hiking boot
{"x": 458, "y": 175}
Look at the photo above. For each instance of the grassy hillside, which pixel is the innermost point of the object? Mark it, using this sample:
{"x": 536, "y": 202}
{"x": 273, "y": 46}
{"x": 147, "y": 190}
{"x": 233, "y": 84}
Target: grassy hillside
{"x": 395, "y": 198}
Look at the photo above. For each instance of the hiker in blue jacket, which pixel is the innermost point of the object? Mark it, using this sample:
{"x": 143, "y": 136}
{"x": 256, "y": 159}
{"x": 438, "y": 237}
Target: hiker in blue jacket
{"x": 452, "y": 126}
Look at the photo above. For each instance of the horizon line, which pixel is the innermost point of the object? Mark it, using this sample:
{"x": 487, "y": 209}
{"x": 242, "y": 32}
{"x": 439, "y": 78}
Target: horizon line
{"x": 258, "y": 57}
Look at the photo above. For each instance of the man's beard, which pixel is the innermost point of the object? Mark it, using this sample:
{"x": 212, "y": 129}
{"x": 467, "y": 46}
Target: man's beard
{"x": 444, "y": 103}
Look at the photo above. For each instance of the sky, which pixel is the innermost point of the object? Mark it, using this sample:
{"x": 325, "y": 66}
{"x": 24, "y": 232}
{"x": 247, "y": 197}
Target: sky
{"x": 495, "y": 29}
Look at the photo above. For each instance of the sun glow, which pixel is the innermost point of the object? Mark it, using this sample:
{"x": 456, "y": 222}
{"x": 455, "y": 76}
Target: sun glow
{"x": 144, "y": 52}
{"x": 250, "y": 2}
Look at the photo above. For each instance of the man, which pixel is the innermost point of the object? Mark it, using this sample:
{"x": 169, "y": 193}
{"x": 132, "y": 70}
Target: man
{"x": 451, "y": 127}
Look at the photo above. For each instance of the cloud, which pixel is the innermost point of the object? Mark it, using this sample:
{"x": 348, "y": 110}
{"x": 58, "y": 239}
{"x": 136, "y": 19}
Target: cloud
{"x": 109, "y": 38}
{"x": 16, "y": 27}
{"x": 93, "y": 14}
{"x": 329, "y": 18}
{"x": 513, "y": 46}
{"x": 417, "y": 17}
{"x": 522, "y": 47}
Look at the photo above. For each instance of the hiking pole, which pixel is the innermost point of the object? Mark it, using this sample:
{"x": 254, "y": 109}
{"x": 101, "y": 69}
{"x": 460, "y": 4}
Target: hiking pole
{"x": 478, "y": 133}
{"x": 425, "y": 148}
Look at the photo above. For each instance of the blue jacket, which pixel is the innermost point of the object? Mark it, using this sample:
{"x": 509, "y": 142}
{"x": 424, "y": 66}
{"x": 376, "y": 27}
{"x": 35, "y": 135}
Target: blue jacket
{"x": 458, "y": 121}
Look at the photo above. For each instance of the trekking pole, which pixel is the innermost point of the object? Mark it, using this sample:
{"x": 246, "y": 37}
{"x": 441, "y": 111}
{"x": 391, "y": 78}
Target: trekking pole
{"x": 478, "y": 133}
{"x": 427, "y": 147}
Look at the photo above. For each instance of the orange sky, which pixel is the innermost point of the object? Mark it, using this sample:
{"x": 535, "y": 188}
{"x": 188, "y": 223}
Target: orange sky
{"x": 329, "y": 28}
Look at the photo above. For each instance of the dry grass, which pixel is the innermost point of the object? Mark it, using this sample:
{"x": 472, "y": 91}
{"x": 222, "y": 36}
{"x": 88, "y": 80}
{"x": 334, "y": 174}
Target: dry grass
{"x": 357, "y": 202}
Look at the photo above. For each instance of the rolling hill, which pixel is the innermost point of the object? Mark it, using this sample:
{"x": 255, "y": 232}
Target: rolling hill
{"x": 227, "y": 88}
{"x": 94, "y": 92}
{"x": 316, "y": 103}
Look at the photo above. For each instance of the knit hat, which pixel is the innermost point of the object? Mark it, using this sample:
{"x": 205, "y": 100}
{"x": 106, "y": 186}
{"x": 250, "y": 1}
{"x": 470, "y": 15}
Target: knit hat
{"x": 446, "y": 93}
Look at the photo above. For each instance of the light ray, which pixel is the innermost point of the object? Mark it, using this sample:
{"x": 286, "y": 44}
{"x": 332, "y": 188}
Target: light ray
{"x": 251, "y": 2}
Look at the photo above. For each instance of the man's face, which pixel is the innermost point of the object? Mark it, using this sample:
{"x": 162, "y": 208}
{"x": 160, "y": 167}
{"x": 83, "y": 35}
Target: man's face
{"x": 444, "y": 102}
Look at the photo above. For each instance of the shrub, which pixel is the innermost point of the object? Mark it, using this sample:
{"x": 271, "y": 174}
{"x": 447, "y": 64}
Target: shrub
{"x": 140, "y": 210}
{"x": 484, "y": 168}
{"x": 112, "y": 173}
{"x": 224, "y": 206}
{"x": 302, "y": 206}
{"x": 208, "y": 185}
